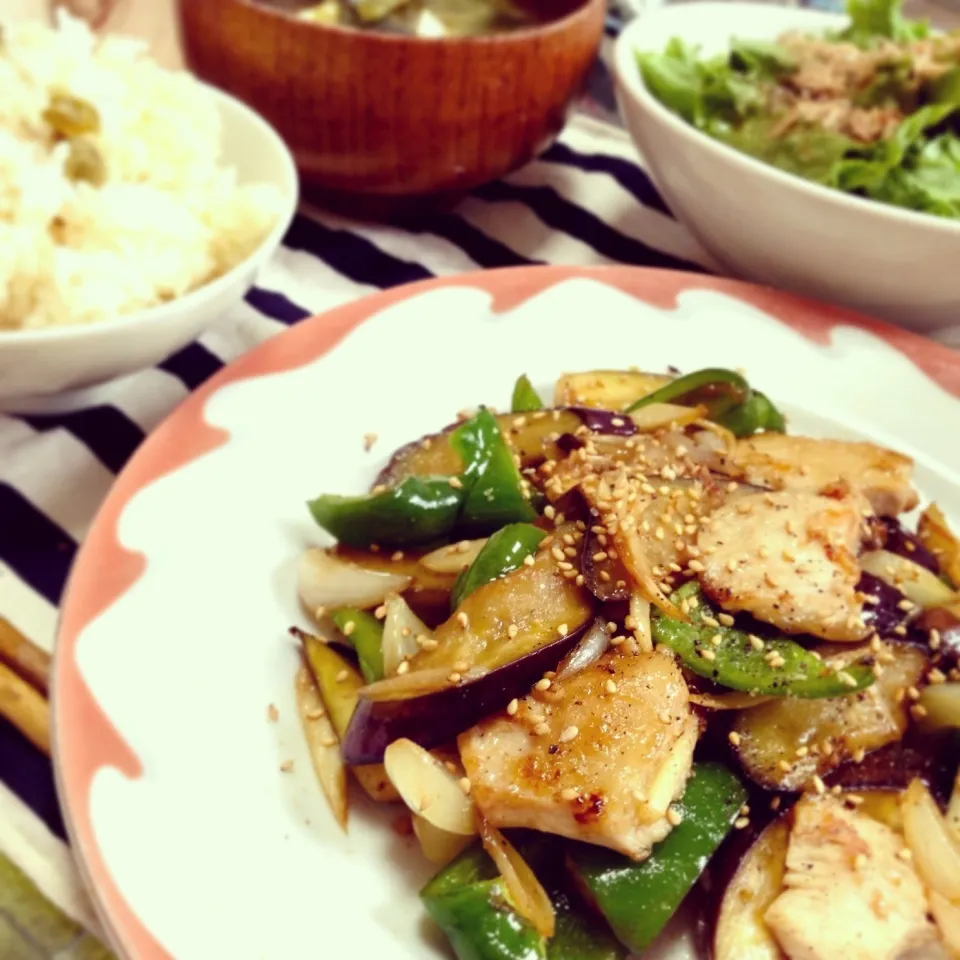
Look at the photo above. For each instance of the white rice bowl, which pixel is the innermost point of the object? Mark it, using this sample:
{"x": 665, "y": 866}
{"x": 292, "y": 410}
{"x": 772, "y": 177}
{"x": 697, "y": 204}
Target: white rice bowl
{"x": 168, "y": 218}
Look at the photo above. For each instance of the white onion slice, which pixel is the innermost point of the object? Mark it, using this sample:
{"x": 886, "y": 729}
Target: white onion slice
{"x": 656, "y": 416}
{"x": 947, "y": 917}
{"x": 942, "y": 704}
{"x": 454, "y": 558}
{"x": 640, "y": 612}
{"x": 325, "y": 580}
{"x": 936, "y": 852}
{"x": 592, "y": 646}
{"x": 630, "y": 547}
{"x": 935, "y": 534}
{"x": 401, "y": 627}
{"x": 417, "y": 683}
{"x": 953, "y": 809}
{"x": 525, "y": 890}
{"x": 438, "y": 846}
{"x": 428, "y": 788}
{"x": 727, "y": 701}
{"x": 322, "y": 744}
{"x": 916, "y": 583}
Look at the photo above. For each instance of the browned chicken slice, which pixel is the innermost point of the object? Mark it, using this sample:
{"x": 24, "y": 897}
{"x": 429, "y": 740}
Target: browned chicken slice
{"x": 790, "y": 559}
{"x": 805, "y": 463}
{"x": 600, "y": 762}
{"x": 847, "y": 892}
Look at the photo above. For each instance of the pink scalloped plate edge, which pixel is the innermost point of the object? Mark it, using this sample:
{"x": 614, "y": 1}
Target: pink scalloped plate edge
{"x": 84, "y": 739}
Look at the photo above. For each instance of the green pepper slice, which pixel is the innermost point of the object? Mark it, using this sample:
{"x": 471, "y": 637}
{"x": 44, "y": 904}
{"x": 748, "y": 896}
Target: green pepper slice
{"x": 491, "y": 481}
{"x": 417, "y": 510}
{"x": 525, "y": 398}
{"x": 638, "y": 899}
{"x": 737, "y": 664}
{"x": 502, "y": 553}
{"x": 718, "y": 389}
{"x": 366, "y": 637}
{"x": 758, "y": 413}
{"x": 468, "y": 901}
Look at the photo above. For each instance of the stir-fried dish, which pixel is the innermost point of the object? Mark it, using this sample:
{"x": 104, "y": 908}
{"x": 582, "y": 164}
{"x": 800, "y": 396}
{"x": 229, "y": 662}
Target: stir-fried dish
{"x": 871, "y": 110}
{"x": 606, "y": 651}
{"x": 421, "y": 18}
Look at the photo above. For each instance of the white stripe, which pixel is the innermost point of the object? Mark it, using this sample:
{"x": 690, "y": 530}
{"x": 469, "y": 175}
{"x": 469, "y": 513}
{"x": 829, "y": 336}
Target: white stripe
{"x": 55, "y": 472}
{"x": 603, "y": 196}
{"x": 516, "y": 225}
{"x": 32, "y": 614}
{"x": 145, "y": 398}
{"x": 45, "y": 859}
{"x": 310, "y": 282}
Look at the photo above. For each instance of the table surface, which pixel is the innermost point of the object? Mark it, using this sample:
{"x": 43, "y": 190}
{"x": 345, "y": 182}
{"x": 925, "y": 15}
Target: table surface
{"x": 557, "y": 210}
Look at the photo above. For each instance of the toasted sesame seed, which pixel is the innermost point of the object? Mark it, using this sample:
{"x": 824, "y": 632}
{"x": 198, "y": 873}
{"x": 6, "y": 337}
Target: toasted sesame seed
{"x": 734, "y": 738}
{"x": 569, "y": 793}
{"x": 542, "y": 729}
{"x": 674, "y": 817}
{"x": 465, "y": 784}
{"x": 463, "y": 619}
{"x": 709, "y": 621}
{"x": 543, "y": 684}
{"x": 396, "y": 556}
{"x": 848, "y": 680}
{"x": 717, "y": 639}
{"x": 741, "y": 822}
{"x": 905, "y": 854}
{"x": 696, "y": 566}
{"x": 775, "y": 803}
{"x": 818, "y": 784}
{"x": 610, "y": 686}
{"x": 273, "y": 714}
{"x": 707, "y": 655}
{"x": 755, "y": 641}
{"x": 549, "y": 511}
{"x": 513, "y": 706}
{"x": 935, "y": 639}
{"x": 802, "y": 751}
{"x": 860, "y": 861}
{"x": 732, "y": 565}
{"x": 381, "y": 611}
{"x": 403, "y": 667}
{"x": 918, "y": 712}
{"x": 348, "y": 628}
{"x": 320, "y": 612}
{"x": 906, "y": 605}
{"x": 286, "y": 766}
{"x": 369, "y": 439}
{"x": 562, "y": 629}
{"x": 568, "y": 734}
{"x": 342, "y": 675}
{"x": 937, "y": 676}
{"x": 784, "y": 765}
{"x": 725, "y": 619}
{"x": 854, "y": 799}
{"x": 528, "y": 560}
{"x": 454, "y": 677}
{"x": 427, "y": 643}
{"x": 456, "y": 483}
{"x": 317, "y": 714}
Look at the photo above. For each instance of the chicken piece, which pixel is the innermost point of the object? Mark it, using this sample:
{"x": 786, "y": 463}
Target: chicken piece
{"x": 601, "y": 762}
{"x": 804, "y": 463}
{"x": 846, "y": 892}
{"x": 788, "y": 558}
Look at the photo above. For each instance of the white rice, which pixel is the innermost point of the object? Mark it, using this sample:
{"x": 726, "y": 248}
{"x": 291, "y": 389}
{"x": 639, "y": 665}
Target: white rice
{"x": 169, "y": 216}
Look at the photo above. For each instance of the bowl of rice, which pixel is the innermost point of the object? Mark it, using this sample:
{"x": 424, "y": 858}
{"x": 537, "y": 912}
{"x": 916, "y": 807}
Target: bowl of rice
{"x": 136, "y": 207}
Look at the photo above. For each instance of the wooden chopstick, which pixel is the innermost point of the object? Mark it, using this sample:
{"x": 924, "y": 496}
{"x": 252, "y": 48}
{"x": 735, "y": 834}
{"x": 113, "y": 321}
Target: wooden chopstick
{"x": 25, "y": 708}
{"x": 27, "y": 659}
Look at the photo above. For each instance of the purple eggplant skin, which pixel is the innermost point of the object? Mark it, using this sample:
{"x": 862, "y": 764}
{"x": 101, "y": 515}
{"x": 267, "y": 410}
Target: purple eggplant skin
{"x": 614, "y": 590}
{"x": 947, "y": 625}
{"x": 931, "y": 757}
{"x": 885, "y": 615}
{"x": 437, "y": 718}
{"x": 893, "y": 537}
{"x": 567, "y": 442}
{"x": 610, "y": 422}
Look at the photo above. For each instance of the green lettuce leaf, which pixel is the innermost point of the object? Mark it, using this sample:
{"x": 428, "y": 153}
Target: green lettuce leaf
{"x": 873, "y": 20}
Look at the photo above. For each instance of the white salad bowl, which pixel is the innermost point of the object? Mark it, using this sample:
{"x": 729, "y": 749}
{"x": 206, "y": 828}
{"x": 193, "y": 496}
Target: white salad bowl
{"x": 771, "y": 227}
{"x": 39, "y": 368}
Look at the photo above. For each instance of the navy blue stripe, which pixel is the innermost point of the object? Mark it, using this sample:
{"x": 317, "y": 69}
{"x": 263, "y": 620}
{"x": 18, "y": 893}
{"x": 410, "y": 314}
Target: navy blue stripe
{"x": 28, "y": 772}
{"x": 110, "y": 435}
{"x": 33, "y": 546}
{"x": 192, "y": 365}
{"x": 483, "y": 250}
{"x": 560, "y": 214}
{"x": 276, "y": 306}
{"x": 627, "y": 174}
{"x": 352, "y": 255}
